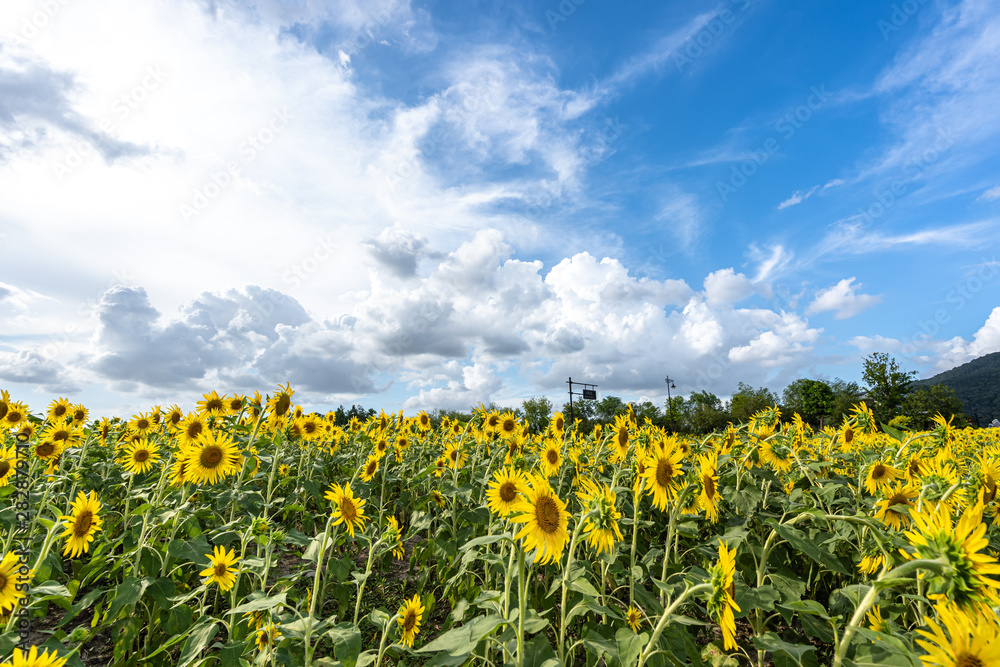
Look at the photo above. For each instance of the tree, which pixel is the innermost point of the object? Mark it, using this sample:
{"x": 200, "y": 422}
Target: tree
{"x": 846, "y": 395}
{"x": 536, "y": 413}
{"x": 886, "y": 384}
{"x": 674, "y": 414}
{"x": 923, "y": 403}
{"x": 811, "y": 399}
{"x": 608, "y": 407}
{"x": 747, "y": 400}
{"x": 646, "y": 410}
{"x": 585, "y": 411}
{"x": 705, "y": 412}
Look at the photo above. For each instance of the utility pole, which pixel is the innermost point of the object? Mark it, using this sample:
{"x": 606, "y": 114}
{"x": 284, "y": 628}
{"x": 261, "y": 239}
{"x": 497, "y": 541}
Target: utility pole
{"x": 670, "y": 405}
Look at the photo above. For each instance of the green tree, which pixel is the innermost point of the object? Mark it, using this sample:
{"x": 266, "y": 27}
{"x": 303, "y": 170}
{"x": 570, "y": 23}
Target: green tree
{"x": 886, "y": 385}
{"x": 608, "y": 407}
{"x": 923, "y": 403}
{"x": 674, "y": 414}
{"x": 537, "y": 412}
{"x": 811, "y": 399}
{"x": 647, "y": 410}
{"x": 846, "y": 395}
{"x": 705, "y": 412}
{"x": 585, "y": 411}
{"x": 747, "y": 400}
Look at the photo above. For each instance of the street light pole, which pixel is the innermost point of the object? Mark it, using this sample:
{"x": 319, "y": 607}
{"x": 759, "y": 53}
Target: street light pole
{"x": 670, "y": 405}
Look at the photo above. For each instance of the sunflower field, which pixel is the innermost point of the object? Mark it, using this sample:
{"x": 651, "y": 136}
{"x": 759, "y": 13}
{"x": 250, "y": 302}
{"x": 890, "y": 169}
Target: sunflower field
{"x": 249, "y": 532}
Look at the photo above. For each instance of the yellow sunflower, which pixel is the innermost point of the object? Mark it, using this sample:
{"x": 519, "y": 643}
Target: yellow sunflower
{"x": 504, "y": 491}
{"x": 267, "y": 637}
{"x": 33, "y": 659}
{"x": 662, "y": 475}
{"x": 141, "y": 424}
{"x": 48, "y": 450}
{"x": 212, "y": 457}
{"x": 348, "y": 508}
{"x": 280, "y": 404}
{"x": 173, "y": 418}
{"x": 601, "y": 529}
{"x": 880, "y": 476}
{"x": 894, "y": 508}
{"x": 82, "y": 524}
{"x": 634, "y": 617}
{"x": 191, "y": 428}
{"x": 139, "y": 456}
{"x": 962, "y": 642}
{"x": 545, "y": 518}
{"x": 16, "y": 413}
{"x": 59, "y": 410}
{"x": 969, "y": 577}
{"x": 508, "y": 425}
{"x": 708, "y": 499}
{"x": 222, "y": 570}
{"x": 408, "y": 618}
{"x": 395, "y": 537}
{"x": 550, "y": 458}
{"x": 66, "y": 435}
{"x": 621, "y": 439}
{"x": 11, "y": 581}
{"x": 721, "y": 603}
{"x": 212, "y": 404}
{"x": 370, "y": 468}
{"x": 8, "y": 463}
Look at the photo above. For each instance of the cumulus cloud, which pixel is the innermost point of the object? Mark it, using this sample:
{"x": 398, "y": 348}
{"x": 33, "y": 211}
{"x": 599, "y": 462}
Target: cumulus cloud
{"x": 31, "y": 367}
{"x": 398, "y": 251}
{"x": 726, "y": 286}
{"x": 843, "y": 299}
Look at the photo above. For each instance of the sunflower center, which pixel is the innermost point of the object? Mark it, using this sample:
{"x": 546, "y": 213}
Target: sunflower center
{"x": 59, "y": 411}
{"x": 3, "y": 581}
{"x": 83, "y": 523}
{"x": 454, "y": 455}
{"x": 220, "y": 569}
{"x": 508, "y": 426}
{"x": 508, "y": 491}
{"x": 175, "y": 418}
{"x": 282, "y": 405}
{"x": 622, "y": 437}
{"x": 664, "y": 472}
{"x": 559, "y": 424}
{"x": 79, "y": 415}
{"x": 547, "y": 514}
{"x": 4, "y": 469}
{"x": 709, "y": 485}
{"x": 13, "y": 416}
{"x": 3, "y": 409}
{"x": 878, "y": 472}
{"x": 409, "y": 621}
{"x": 553, "y": 456}
{"x": 968, "y": 660}
{"x": 61, "y": 434}
{"x": 211, "y": 456}
{"x": 848, "y": 435}
{"x": 194, "y": 429}
{"x": 141, "y": 455}
{"x": 348, "y": 510}
{"x": 371, "y": 467}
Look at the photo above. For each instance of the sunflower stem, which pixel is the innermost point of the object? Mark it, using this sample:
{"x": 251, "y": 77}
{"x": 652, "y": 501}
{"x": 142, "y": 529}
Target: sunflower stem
{"x": 361, "y": 584}
{"x": 565, "y": 581}
{"x": 381, "y": 644}
{"x": 671, "y": 528}
{"x": 895, "y": 577}
{"x": 665, "y": 617}
{"x": 522, "y": 603}
{"x": 635, "y": 532}
{"x": 315, "y": 592}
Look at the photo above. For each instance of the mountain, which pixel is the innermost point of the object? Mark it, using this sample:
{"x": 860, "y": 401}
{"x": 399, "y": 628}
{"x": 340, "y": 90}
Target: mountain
{"x": 977, "y": 385}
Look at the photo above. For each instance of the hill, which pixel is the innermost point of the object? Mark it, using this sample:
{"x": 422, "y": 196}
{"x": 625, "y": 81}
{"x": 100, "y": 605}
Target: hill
{"x": 977, "y": 385}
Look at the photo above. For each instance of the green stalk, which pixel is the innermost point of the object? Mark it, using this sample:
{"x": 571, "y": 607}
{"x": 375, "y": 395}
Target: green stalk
{"x": 368, "y": 571}
{"x": 522, "y": 603}
{"x": 565, "y": 583}
{"x": 315, "y": 592}
{"x": 662, "y": 623}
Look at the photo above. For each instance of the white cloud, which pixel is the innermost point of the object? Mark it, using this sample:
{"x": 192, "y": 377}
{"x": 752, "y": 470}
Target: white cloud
{"x": 800, "y": 196}
{"x": 992, "y": 194}
{"x": 725, "y": 286}
{"x": 843, "y": 299}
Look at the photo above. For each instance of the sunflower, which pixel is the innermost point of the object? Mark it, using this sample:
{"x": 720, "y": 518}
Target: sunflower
{"x": 284, "y": 470}
{"x": 280, "y": 404}
{"x": 504, "y": 491}
{"x": 662, "y": 470}
{"x": 139, "y": 456}
{"x": 213, "y": 456}
{"x": 17, "y": 412}
{"x": 221, "y": 571}
{"x": 880, "y": 476}
{"x": 191, "y": 428}
{"x": 33, "y": 659}
{"x": 212, "y": 405}
{"x": 634, "y": 617}
{"x": 894, "y": 508}
{"x": 267, "y": 637}
{"x": 776, "y": 454}
{"x": 545, "y": 518}
{"x": 550, "y": 458}
{"x": 394, "y": 536}
{"x": 847, "y": 436}
{"x": 424, "y": 421}
{"x": 491, "y": 422}
{"x": 620, "y": 441}
{"x": 875, "y": 620}
{"x": 871, "y": 563}
{"x": 66, "y": 435}
{"x": 408, "y": 618}
{"x": 48, "y": 450}
{"x": 11, "y": 581}
{"x": 59, "y": 410}
{"x": 348, "y": 508}
{"x": 708, "y": 499}
{"x": 968, "y": 578}
{"x": 508, "y": 425}
{"x": 141, "y": 424}
{"x": 721, "y": 603}
{"x": 79, "y": 414}
{"x": 962, "y": 642}
{"x": 438, "y": 498}
{"x": 557, "y": 422}
{"x": 8, "y": 463}
{"x": 370, "y": 468}
{"x": 455, "y": 456}
{"x": 601, "y": 529}
{"x": 82, "y": 524}
{"x": 234, "y": 404}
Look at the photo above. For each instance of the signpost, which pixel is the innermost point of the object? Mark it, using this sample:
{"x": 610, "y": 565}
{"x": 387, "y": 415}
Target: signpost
{"x": 589, "y": 393}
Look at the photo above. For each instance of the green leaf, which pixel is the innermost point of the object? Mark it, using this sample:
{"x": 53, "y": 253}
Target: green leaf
{"x": 346, "y": 639}
{"x": 801, "y": 542}
{"x": 538, "y": 653}
{"x": 463, "y": 640}
{"x": 196, "y": 643}
{"x": 630, "y": 645}
{"x": 161, "y": 590}
{"x": 773, "y": 643}
{"x": 260, "y": 604}
{"x": 128, "y": 593}
{"x": 486, "y": 539}
{"x": 749, "y": 599}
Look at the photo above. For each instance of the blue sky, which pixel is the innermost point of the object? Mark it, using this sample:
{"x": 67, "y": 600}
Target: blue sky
{"x": 418, "y": 205}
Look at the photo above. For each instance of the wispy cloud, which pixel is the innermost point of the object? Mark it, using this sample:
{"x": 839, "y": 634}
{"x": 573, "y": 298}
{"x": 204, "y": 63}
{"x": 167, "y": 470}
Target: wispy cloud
{"x": 800, "y": 196}
{"x": 843, "y": 299}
